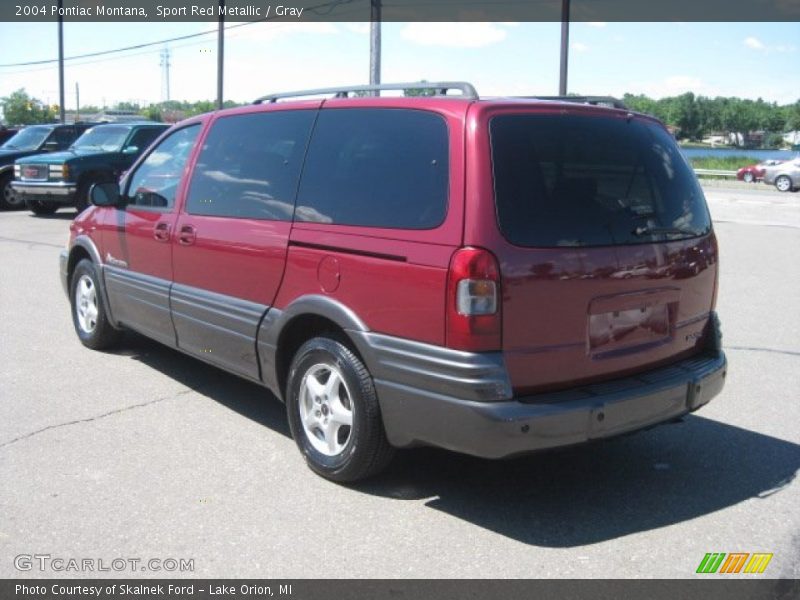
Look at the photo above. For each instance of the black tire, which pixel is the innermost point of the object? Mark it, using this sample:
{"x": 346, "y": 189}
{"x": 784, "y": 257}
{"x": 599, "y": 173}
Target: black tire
{"x": 100, "y": 334}
{"x": 365, "y": 450}
{"x": 9, "y": 200}
{"x": 82, "y": 196}
{"x": 41, "y": 208}
{"x": 749, "y": 177}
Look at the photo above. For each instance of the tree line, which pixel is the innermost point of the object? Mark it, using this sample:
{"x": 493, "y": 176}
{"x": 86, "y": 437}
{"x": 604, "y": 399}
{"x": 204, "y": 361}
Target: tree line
{"x": 692, "y": 117}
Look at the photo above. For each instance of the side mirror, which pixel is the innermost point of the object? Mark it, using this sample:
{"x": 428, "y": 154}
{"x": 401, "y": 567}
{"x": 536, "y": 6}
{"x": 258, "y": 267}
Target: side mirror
{"x": 105, "y": 194}
{"x": 50, "y": 146}
{"x": 130, "y": 150}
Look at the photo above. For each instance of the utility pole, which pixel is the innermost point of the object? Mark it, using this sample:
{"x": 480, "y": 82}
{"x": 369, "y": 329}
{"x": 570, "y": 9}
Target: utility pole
{"x": 220, "y": 53}
{"x": 375, "y": 43}
{"x": 77, "y": 103}
{"x": 60, "y": 62}
{"x": 165, "y": 65}
{"x": 562, "y": 82}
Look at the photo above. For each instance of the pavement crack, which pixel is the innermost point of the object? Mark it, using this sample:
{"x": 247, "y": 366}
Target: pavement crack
{"x": 756, "y": 349}
{"x": 30, "y": 242}
{"x": 96, "y": 417}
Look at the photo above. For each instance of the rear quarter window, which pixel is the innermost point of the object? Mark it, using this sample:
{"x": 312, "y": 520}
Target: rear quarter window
{"x": 376, "y": 168}
{"x": 585, "y": 180}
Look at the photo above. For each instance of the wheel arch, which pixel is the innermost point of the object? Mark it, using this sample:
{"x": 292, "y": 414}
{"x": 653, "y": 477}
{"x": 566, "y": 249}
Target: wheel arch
{"x": 282, "y": 332}
{"x": 84, "y": 247}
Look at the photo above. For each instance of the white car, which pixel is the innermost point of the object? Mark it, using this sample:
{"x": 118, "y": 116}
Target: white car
{"x": 785, "y": 176}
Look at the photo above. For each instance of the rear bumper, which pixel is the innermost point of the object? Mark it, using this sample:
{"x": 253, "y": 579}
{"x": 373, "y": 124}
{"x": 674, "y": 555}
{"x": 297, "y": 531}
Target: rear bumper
{"x": 416, "y": 415}
{"x": 51, "y": 191}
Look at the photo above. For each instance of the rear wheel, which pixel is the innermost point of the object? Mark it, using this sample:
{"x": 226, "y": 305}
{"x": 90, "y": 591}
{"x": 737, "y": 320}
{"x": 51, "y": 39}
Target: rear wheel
{"x": 41, "y": 207}
{"x": 783, "y": 183}
{"x": 89, "y": 314}
{"x": 9, "y": 199}
{"x": 334, "y": 414}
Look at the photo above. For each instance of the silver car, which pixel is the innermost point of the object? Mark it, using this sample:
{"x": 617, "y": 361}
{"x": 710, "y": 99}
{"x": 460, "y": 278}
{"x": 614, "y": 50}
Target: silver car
{"x": 785, "y": 176}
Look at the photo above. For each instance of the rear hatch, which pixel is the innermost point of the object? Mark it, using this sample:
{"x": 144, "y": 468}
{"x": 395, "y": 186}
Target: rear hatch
{"x": 608, "y": 262}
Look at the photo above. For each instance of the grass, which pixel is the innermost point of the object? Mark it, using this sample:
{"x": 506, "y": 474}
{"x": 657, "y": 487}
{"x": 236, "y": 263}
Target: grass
{"x": 723, "y": 163}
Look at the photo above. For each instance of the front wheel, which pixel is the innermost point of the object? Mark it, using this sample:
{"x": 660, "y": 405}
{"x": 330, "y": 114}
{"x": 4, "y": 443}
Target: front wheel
{"x": 334, "y": 413}
{"x": 748, "y": 177}
{"x": 89, "y": 314}
{"x": 9, "y": 199}
{"x": 783, "y": 183}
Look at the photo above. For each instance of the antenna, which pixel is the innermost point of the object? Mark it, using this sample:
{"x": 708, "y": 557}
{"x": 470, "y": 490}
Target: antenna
{"x": 164, "y": 64}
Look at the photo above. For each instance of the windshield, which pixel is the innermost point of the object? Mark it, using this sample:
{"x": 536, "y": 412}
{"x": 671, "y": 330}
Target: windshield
{"x": 107, "y": 139}
{"x": 584, "y": 180}
{"x": 29, "y": 138}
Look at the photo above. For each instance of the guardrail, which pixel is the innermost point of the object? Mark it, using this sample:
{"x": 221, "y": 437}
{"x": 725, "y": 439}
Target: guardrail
{"x": 715, "y": 172}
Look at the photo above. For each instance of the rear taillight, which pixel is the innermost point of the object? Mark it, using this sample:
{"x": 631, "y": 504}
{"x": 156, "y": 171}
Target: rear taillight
{"x": 473, "y": 301}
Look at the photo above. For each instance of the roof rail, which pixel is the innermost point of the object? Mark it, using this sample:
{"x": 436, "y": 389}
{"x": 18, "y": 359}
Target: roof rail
{"x": 609, "y": 101}
{"x": 439, "y": 88}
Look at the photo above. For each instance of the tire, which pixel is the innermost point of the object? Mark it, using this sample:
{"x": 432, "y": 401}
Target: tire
{"x": 334, "y": 414}
{"x": 41, "y": 207}
{"x": 88, "y": 310}
{"x": 82, "y": 196}
{"x": 748, "y": 177}
{"x": 783, "y": 183}
{"x": 9, "y": 200}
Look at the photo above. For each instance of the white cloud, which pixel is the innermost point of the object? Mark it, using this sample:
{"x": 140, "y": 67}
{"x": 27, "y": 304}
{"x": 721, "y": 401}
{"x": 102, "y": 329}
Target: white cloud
{"x": 359, "y": 28}
{"x": 598, "y": 24}
{"x": 454, "y": 35}
{"x": 579, "y": 47}
{"x": 754, "y": 43}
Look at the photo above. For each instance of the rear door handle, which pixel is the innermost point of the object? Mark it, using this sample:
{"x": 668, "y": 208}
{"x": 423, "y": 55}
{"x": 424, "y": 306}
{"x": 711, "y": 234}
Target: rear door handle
{"x": 187, "y": 235}
{"x": 161, "y": 232}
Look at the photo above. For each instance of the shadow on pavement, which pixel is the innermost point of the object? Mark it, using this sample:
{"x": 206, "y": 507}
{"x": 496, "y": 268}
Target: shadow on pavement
{"x": 597, "y": 492}
{"x": 564, "y": 498}
{"x": 248, "y": 399}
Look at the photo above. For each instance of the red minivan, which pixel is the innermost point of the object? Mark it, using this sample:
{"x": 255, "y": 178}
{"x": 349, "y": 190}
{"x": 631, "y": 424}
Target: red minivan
{"x": 490, "y": 276}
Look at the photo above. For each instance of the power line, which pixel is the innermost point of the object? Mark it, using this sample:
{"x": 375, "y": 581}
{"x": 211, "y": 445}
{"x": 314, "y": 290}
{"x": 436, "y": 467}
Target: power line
{"x": 327, "y": 7}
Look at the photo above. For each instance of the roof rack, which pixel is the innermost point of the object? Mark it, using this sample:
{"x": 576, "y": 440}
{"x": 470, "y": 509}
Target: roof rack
{"x": 609, "y": 101}
{"x": 439, "y": 88}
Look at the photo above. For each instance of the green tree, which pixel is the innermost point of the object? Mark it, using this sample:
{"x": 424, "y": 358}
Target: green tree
{"x": 21, "y": 109}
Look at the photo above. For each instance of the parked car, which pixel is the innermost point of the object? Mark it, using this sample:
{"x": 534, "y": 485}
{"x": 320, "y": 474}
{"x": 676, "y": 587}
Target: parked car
{"x": 49, "y": 181}
{"x": 33, "y": 139}
{"x": 753, "y": 173}
{"x": 406, "y": 271}
{"x": 785, "y": 176}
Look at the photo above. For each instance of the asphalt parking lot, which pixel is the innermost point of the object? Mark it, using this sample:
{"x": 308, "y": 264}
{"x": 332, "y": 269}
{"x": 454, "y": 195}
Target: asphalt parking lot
{"x": 145, "y": 453}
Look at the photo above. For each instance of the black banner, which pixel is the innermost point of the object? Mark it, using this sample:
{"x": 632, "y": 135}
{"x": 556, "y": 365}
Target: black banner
{"x": 385, "y": 589}
{"x": 399, "y": 10}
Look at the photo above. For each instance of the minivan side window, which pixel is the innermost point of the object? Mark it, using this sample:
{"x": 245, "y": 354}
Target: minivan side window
{"x": 155, "y": 182}
{"x": 249, "y": 165}
{"x": 376, "y": 168}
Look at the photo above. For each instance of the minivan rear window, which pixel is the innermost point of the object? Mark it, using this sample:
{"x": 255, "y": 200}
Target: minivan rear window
{"x": 587, "y": 180}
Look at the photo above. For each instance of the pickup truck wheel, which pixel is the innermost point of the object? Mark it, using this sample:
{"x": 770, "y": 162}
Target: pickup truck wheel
{"x": 334, "y": 413}
{"x": 41, "y": 207}
{"x": 88, "y": 311}
{"x": 9, "y": 200}
{"x": 82, "y": 196}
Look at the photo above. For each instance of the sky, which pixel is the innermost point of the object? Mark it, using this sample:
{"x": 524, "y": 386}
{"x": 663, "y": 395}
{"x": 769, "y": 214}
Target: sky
{"x": 749, "y": 60}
